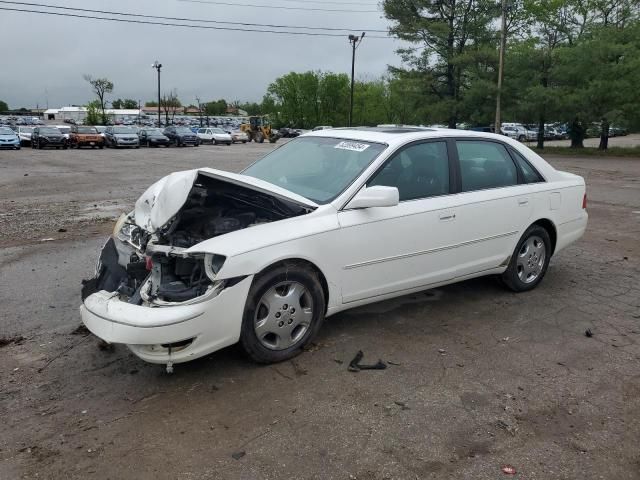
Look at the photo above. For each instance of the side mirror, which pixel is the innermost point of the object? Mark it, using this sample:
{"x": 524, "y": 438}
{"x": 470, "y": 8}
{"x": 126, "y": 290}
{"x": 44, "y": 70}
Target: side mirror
{"x": 376, "y": 196}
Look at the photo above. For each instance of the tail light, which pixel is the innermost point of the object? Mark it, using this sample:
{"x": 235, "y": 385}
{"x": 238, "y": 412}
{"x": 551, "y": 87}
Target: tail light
{"x": 584, "y": 202}
{"x": 149, "y": 263}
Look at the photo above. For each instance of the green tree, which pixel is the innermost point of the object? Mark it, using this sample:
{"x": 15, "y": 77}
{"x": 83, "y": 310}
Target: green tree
{"x": 4, "y": 107}
{"x": 170, "y": 104}
{"x": 150, "y": 104}
{"x": 448, "y": 38}
{"x": 93, "y": 113}
{"x": 126, "y": 104}
{"x": 218, "y": 107}
{"x": 100, "y": 86}
{"x": 599, "y": 77}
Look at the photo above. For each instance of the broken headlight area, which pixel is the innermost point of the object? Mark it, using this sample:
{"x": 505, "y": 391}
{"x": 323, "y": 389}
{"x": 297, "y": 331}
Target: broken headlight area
{"x": 167, "y": 276}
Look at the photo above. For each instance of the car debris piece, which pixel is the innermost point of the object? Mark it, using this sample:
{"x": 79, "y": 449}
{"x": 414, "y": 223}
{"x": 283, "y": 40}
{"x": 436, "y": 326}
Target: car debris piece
{"x": 4, "y": 341}
{"x": 356, "y": 366}
{"x": 508, "y": 470}
{"x": 238, "y": 455}
{"x": 588, "y": 333}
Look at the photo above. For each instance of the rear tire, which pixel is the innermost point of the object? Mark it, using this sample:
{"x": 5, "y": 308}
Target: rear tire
{"x": 297, "y": 299}
{"x": 529, "y": 261}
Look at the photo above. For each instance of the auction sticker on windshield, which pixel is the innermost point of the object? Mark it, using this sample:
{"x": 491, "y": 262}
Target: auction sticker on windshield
{"x": 355, "y": 146}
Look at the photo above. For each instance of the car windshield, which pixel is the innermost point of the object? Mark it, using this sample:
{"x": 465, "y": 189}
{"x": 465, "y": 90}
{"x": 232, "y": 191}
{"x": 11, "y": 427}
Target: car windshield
{"x": 183, "y": 130}
{"x": 123, "y": 130}
{"x": 87, "y": 130}
{"x": 154, "y": 131}
{"x": 6, "y": 131}
{"x": 26, "y": 129}
{"x": 318, "y": 168}
{"x": 64, "y": 129}
{"x": 217, "y": 130}
{"x": 50, "y": 131}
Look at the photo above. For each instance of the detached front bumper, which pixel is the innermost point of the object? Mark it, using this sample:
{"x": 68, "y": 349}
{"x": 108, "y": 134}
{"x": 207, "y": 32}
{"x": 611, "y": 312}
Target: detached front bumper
{"x": 168, "y": 334}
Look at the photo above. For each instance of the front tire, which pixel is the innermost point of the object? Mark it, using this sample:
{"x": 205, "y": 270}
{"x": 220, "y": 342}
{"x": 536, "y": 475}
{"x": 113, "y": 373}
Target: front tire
{"x": 529, "y": 261}
{"x": 284, "y": 311}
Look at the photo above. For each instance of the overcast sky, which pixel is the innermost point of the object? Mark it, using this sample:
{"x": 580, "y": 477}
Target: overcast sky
{"x": 45, "y": 56}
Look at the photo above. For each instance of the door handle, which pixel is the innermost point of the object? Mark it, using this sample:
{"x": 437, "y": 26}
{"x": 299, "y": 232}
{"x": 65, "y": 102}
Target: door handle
{"x": 523, "y": 201}
{"x": 447, "y": 216}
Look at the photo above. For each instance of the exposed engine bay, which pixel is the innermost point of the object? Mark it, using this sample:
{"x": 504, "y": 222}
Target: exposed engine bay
{"x": 154, "y": 269}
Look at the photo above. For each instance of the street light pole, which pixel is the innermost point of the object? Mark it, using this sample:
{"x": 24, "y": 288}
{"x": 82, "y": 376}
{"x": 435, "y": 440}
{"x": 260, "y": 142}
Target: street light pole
{"x": 158, "y": 66}
{"x": 503, "y": 42}
{"x": 354, "y": 40}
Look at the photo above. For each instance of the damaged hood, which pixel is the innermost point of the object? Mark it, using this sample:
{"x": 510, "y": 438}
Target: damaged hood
{"x": 164, "y": 199}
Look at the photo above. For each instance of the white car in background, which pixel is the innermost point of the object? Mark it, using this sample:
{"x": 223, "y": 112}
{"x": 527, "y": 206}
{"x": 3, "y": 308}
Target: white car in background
{"x": 327, "y": 222}
{"x": 214, "y": 135}
{"x": 25, "y": 135}
{"x": 239, "y": 136}
{"x": 65, "y": 130}
{"x": 518, "y": 132}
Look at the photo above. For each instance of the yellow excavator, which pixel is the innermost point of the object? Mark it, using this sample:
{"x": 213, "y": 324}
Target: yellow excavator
{"x": 258, "y": 129}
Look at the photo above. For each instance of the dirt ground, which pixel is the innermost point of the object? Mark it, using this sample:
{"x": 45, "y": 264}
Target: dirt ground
{"x": 478, "y": 377}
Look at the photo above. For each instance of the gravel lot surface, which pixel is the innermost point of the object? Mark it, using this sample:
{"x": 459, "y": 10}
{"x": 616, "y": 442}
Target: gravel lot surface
{"x": 478, "y": 377}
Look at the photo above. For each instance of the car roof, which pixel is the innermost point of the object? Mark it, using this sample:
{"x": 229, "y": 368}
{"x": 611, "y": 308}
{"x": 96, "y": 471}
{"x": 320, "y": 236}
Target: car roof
{"x": 393, "y": 136}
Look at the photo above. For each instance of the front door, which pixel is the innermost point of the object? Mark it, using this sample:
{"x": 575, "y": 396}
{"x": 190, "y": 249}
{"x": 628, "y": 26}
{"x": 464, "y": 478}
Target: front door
{"x": 386, "y": 250}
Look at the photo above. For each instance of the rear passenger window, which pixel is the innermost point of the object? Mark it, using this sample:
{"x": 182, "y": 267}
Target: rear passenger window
{"x": 530, "y": 174}
{"x": 485, "y": 165}
{"x": 418, "y": 171}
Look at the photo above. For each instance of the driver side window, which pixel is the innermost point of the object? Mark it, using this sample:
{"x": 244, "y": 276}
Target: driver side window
{"x": 418, "y": 171}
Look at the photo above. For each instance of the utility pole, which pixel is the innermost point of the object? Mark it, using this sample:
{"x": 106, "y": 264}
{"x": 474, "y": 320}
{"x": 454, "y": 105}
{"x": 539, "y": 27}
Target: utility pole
{"x": 503, "y": 43}
{"x": 158, "y": 66}
{"x": 354, "y": 40}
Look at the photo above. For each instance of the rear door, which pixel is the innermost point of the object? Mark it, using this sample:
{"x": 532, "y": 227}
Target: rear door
{"x": 494, "y": 206}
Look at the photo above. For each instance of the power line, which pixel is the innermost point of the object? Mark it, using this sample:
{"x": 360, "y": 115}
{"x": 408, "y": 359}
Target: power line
{"x": 365, "y": 4}
{"x": 215, "y": 2}
{"x": 184, "y": 25}
{"x": 138, "y": 15}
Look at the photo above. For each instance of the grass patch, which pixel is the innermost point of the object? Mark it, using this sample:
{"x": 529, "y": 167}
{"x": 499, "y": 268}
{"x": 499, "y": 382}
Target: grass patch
{"x": 590, "y": 151}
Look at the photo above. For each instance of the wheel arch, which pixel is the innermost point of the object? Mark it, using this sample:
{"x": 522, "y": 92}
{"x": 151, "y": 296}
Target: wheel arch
{"x": 550, "y": 227}
{"x": 300, "y": 262}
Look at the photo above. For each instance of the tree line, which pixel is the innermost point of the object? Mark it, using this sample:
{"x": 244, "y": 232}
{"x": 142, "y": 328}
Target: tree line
{"x": 569, "y": 61}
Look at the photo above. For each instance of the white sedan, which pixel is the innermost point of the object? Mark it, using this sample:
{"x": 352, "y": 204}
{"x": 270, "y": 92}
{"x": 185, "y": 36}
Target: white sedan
{"x": 329, "y": 221}
{"x": 214, "y": 136}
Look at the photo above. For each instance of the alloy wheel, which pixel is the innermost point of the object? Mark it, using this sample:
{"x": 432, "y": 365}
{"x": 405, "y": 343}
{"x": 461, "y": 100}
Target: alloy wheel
{"x": 283, "y": 315}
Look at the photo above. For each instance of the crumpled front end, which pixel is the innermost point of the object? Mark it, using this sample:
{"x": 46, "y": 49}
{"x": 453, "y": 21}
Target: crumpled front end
{"x": 154, "y": 291}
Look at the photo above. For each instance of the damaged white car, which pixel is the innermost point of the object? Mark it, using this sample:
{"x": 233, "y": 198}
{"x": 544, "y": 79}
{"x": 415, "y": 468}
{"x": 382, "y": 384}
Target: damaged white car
{"x": 329, "y": 221}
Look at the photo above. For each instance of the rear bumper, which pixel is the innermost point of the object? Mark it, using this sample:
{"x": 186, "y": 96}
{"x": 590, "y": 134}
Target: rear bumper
{"x": 211, "y": 325}
{"x": 571, "y": 231}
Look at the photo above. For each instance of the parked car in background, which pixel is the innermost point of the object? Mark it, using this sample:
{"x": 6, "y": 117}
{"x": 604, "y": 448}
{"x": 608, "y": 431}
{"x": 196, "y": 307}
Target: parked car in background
{"x": 617, "y": 131}
{"x": 487, "y": 129}
{"x": 153, "y": 137}
{"x": 518, "y": 132}
{"x": 181, "y": 136}
{"x": 214, "y": 135}
{"x": 286, "y": 132}
{"x": 9, "y": 138}
{"x": 239, "y": 136}
{"x": 25, "y": 135}
{"x": 321, "y": 127}
{"x": 43, "y": 137}
{"x": 120, "y": 136}
{"x": 101, "y": 129}
{"x": 85, "y": 136}
{"x": 65, "y": 130}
